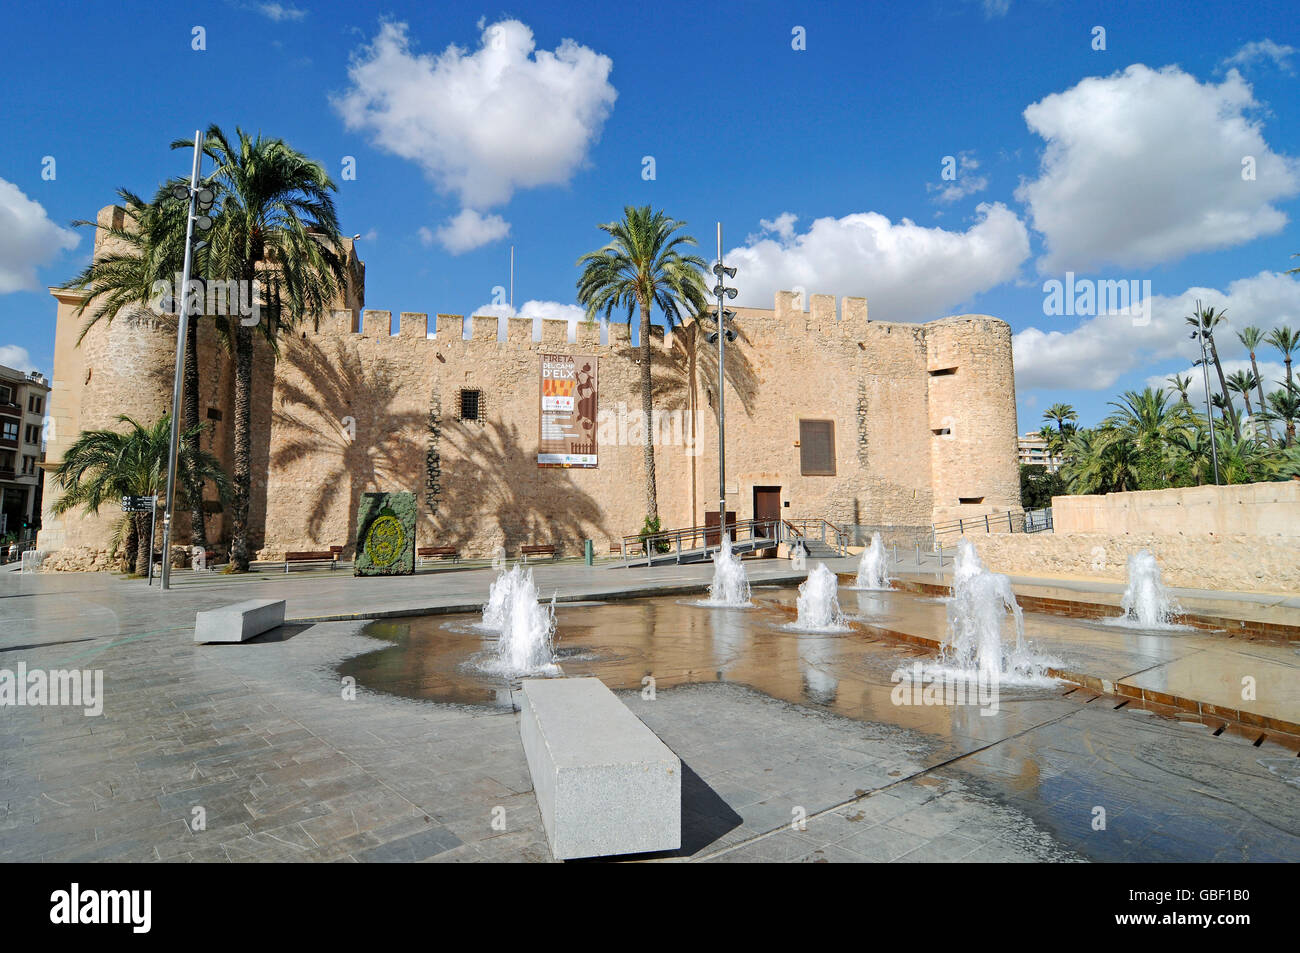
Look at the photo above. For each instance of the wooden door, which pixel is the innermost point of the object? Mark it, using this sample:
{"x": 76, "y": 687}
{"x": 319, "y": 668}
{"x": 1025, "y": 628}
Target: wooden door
{"x": 767, "y": 513}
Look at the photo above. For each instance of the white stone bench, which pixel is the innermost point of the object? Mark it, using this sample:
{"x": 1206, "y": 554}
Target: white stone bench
{"x": 604, "y": 782}
{"x": 239, "y": 622}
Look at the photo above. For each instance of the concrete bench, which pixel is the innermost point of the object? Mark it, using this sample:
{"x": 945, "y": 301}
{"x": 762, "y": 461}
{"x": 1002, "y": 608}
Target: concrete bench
{"x": 604, "y": 782}
{"x": 239, "y": 622}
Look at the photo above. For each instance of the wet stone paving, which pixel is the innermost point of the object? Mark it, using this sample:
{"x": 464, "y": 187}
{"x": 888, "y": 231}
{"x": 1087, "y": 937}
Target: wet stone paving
{"x": 792, "y": 749}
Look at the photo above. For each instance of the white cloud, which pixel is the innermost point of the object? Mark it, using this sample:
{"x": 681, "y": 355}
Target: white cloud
{"x": 427, "y": 237}
{"x": 1145, "y": 166}
{"x": 11, "y": 355}
{"x": 486, "y": 123}
{"x": 27, "y": 239}
{"x": 280, "y": 12}
{"x": 546, "y": 310}
{"x": 906, "y": 271}
{"x": 995, "y": 8}
{"x": 965, "y": 184}
{"x": 1099, "y": 350}
{"x": 469, "y": 230}
{"x": 1278, "y": 54}
{"x": 782, "y": 226}
{"x": 534, "y": 310}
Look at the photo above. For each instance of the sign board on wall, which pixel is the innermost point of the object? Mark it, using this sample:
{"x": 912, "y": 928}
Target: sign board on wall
{"x": 567, "y": 411}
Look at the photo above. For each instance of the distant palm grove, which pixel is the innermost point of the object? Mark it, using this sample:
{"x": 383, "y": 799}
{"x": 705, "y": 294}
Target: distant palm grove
{"x": 1157, "y": 438}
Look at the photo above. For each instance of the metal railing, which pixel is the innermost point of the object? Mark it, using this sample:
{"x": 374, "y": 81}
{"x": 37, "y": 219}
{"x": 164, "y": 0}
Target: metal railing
{"x": 817, "y": 528}
{"x": 1038, "y": 521}
{"x": 1011, "y": 521}
{"x": 678, "y": 541}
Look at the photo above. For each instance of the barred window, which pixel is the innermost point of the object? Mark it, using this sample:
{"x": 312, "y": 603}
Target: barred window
{"x": 817, "y": 447}
{"x": 471, "y": 405}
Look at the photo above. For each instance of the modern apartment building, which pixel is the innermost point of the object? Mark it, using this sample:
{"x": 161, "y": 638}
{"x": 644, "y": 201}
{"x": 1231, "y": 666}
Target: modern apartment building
{"x": 24, "y": 399}
{"x": 1033, "y": 449}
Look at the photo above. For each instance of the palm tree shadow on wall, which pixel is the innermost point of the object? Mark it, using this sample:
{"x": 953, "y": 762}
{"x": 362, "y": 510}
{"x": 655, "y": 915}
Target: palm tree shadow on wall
{"x": 387, "y": 452}
{"x": 483, "y": 477}
{"x": 693, "y": 361}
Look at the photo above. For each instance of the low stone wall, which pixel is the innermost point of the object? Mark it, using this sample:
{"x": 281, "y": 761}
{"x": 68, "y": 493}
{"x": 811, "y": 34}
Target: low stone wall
{"x": 85, "y": 559}
{"x": 1249, "y": 509}
{"x": 80, "y": 559}
{"x": 1236, "y": 562}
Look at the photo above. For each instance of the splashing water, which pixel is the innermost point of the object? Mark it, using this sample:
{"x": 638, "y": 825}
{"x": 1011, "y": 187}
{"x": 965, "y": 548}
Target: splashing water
{"x": 730, "y": 586}
{"x": 1147, "y": 603}
{"x": 819, "y": 603}
{"x": 977, "y": 615}
{"x": 527, "y": 627}
{"x": 872, "y": 571}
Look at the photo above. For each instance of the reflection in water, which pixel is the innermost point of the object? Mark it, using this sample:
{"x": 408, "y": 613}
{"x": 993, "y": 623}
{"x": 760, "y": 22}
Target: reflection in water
{"x": 437, "y": 658}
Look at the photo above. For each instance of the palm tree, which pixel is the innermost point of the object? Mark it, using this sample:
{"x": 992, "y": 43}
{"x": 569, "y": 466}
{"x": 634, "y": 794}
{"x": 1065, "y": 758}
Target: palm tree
{"x": 641, "y": 267}
{"x": 1146, "y": 421}
{"x": 1240, "y": 382}
{"x": 1204, "y": 321}
{"x": 1251, "y": 338}
{"x": 276, "y": 226}
{"x": 1286, "y": 341}
{"x": 1060, "y": 414}
{"x": 102, "y": 466}
{"x": 148, "y": 247}
{"x": 1193, "y": 444}
{"x": 1244, "y": 461}
{"x": 1284, "y": 407}
{"x": 1181, "y": 383}
{"x": 1104, "y": 459}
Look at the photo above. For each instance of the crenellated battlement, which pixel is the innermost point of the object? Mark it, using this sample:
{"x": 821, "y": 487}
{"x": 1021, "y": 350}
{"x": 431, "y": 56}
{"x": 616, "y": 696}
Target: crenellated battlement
{"x": 824, "y": 319}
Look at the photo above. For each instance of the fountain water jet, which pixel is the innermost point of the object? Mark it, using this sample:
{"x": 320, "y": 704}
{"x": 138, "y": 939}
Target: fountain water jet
{"x": 819, "y": 603}
{"x": 526, "y": 644}
{"x": 977, "y": 614}
{"x": 1147, "y": 603}
{"x": 873, "y": 570}
{"x": 730, "y": 586}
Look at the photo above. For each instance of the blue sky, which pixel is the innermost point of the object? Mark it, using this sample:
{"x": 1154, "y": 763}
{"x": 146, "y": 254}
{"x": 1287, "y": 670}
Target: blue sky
{"x": 475, "y": 128}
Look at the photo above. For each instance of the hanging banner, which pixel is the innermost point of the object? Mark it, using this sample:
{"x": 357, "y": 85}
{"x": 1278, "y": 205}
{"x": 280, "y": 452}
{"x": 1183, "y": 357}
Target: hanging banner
{"x": 568, "y": 411}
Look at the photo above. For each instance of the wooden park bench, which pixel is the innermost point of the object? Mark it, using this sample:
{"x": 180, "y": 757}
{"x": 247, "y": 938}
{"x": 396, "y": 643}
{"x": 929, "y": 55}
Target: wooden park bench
{"x": 438, "y": 552}
{"x": 330, "y": 556}
{"x": 541, "y": 549}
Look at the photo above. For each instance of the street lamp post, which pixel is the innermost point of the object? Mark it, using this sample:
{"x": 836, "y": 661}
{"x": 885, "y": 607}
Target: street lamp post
{"x": 1209, "y": 410}
{"x": 723, "y": 334}
{"x": 182, "y": 327}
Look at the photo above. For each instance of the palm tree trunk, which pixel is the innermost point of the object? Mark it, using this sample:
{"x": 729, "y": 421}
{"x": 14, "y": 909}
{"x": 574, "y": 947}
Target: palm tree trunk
{"x": 198, "y": 530}
{"x": 647, "y": 408}
{"x": 142, "y": 554}
{"x": 242, "y": 476}
{"x": 129, "y": 544}
{"x": 1223, "y": 389}
{"x": 1259, "y": 390}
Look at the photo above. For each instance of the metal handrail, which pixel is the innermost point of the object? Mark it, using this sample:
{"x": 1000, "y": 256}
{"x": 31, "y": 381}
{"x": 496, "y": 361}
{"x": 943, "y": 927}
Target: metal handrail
{"x": 823, "y": 526}
{"x": 1013, "y": 521}
{"x": 686, "y": 538}
{"x": 692, "y": 537}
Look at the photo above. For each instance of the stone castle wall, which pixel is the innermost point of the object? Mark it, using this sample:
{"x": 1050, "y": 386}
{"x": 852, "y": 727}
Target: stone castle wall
{"x": 923, "y": 414}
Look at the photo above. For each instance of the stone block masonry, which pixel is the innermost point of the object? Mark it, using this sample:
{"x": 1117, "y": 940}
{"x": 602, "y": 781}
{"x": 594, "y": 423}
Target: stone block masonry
{"x": 922, "y": 422}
